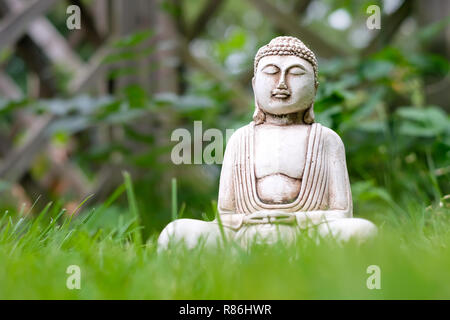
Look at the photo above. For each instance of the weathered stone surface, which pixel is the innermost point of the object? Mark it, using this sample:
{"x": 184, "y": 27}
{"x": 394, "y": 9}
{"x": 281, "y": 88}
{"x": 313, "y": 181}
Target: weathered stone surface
{"x": 282, "y": 173}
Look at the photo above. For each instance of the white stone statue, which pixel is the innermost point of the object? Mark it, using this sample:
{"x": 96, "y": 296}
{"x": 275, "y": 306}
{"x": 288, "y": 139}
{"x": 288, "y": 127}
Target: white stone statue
{"x": 282, "y": 174}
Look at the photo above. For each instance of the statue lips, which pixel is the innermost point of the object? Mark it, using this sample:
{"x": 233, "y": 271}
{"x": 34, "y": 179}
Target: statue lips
{"x": 281, "y": 93}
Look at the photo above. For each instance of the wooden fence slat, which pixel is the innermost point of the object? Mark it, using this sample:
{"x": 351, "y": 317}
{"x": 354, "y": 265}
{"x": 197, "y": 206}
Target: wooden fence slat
{"x": 8, "y": 87}
{"x": 45, "y": 35}
{"x": 19, "y": 159}
{"x": 41, "y": 34}
{"x": 51, "y": 42}
{"x": 15, "y": 25}
{"x": 89, "y": 24}
{"x": 90, "y": 71}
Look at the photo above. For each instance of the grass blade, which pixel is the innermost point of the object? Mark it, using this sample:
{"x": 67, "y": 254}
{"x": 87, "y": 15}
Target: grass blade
{"x": 174, "y": 199}
{"x": 137, "y": 237}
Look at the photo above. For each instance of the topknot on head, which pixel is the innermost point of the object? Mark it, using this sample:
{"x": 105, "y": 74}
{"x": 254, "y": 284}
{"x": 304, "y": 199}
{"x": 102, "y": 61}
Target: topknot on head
{"x": 287, "y": 46}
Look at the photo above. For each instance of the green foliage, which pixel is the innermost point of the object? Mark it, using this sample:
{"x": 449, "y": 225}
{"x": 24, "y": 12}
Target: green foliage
{"x": 379, "y": 111}
{"x": 413, "y": 255}
{"x": 427, "y": 122}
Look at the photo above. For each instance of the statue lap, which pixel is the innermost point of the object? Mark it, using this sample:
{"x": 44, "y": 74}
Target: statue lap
{"x": 193, "y": 232}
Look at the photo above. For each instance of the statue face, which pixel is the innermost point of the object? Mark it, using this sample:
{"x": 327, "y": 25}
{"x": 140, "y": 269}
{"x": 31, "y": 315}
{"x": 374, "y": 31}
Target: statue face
{"x": 284, "y": 84}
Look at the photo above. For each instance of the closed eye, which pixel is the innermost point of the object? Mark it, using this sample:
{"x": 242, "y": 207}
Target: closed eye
{"x": 271, "y": 69}
{"x": 296, "y": 71}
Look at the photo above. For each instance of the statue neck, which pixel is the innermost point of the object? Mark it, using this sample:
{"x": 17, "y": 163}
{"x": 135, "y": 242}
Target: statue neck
{"x": 284, "y": 119}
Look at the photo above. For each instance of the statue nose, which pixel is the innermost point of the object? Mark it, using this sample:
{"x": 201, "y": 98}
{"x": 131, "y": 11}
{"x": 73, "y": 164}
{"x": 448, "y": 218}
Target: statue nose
{"x": 281, "y": 84}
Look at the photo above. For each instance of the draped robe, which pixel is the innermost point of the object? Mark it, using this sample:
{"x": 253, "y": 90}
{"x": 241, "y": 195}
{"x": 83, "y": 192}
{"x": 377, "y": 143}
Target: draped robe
{"x": 324, "y": 199}
{"x": 314, "y": 191}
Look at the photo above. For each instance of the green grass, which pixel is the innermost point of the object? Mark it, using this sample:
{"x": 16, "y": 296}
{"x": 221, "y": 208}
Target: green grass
{"x": 412, "y": 251}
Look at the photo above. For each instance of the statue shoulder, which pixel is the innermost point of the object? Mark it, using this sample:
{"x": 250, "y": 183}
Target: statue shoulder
{"x": 332, "y": 140}
{"x": 239, "y": 133}
{"x": 233, "y": 142}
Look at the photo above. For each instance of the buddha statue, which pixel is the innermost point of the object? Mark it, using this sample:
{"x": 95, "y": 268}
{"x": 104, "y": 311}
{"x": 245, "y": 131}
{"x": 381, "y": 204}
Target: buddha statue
{"x": 283, "y": 173}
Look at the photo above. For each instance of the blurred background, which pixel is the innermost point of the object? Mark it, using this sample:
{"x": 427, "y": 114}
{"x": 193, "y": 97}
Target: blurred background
{"x": 78, "y": 106}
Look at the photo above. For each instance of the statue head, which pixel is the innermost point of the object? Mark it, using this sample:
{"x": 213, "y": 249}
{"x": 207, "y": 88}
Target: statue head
{"x": 285, "y": 79}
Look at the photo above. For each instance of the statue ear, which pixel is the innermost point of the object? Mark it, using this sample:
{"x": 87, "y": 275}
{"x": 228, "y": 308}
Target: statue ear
{"x": 258, "y": 116}
{"x": 308, "y": 116}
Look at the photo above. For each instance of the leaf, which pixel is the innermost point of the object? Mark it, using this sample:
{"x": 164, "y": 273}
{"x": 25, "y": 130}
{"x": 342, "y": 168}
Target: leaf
{"x": 165, "y": 98}
{"x": 193, "y": 102}
{"x": 325, "y": 117}
{"x": 366, "y": 190}
{"x": 368, "y": 108}
{"x": 69, "y": 125}
{"x": 430, "y": 64}
{"x": 128, "y": 55}
{"x": 133, "y": 39}
{"x": 7, "y": 106}
{"x": 376, "y": 69}
{"x": 373, "y": 126}
{"x": 108, "y": 109}
{"x": 235, "y": 42}
{"x": 82, "y": 104}
{"x": 136, "y": 96}
{"x": 423, "y": 122}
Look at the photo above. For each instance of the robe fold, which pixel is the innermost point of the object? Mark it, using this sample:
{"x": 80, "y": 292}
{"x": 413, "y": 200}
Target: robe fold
{"x": 313, "y": 193}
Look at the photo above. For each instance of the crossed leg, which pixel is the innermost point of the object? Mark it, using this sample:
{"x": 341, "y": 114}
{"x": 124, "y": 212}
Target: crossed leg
{"x": 348, "y": 228}
{"x": 192, "y": 232}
